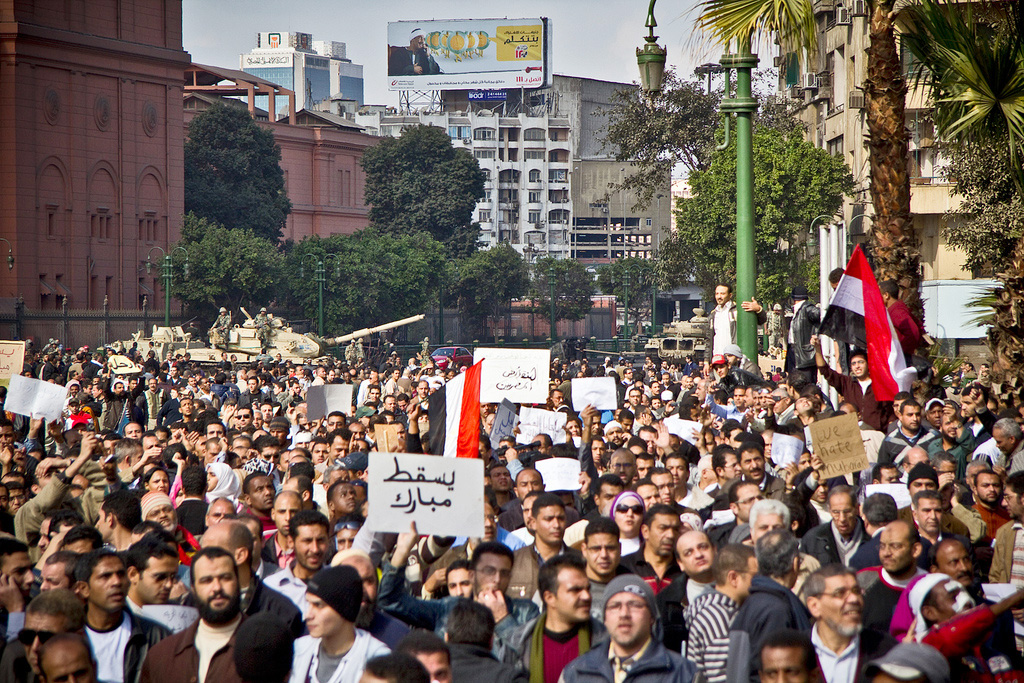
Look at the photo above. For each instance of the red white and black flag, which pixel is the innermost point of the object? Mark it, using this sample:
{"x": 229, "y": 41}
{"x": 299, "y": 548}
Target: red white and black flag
{"x": 454, "y": 413}
{"x": 857, "y": 315}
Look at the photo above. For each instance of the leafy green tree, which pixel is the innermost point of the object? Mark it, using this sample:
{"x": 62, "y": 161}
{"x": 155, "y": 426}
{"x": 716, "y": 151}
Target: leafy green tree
{"x": 793, "y": 183}
{"x": 574, "y": 287}
{"x": 226, "y": 267}
{"x": 488, "y": 281}
{"x": 371, "y": 278}
{"x": 420, "y": 183}
{"x": 233, "y": 175}
{"x": 635, "y": 277}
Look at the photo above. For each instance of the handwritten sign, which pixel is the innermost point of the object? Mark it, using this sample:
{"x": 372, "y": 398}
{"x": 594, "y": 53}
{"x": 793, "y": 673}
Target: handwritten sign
{"x": 386, "y": 436}
{"x": 838, "y": 443}
{"x": 505, "y": 421}
{"x": 35, "y": 398}
{"x": 534, "y": 421}
{"x": 442, "y": 495}
{"x": 559, "y": 474}
{"x": 12, "y": 360}
{"x": 687, "y": 430}
{"x": 786, "y": 449}
{"x": 176, "y": 618}
{"x": 599, "y": 392}
{"x": 122, "y": 365}
{"x": 520, "y": 375}
{"x": 899, "y": 492}
{"x": 323, "y": 400}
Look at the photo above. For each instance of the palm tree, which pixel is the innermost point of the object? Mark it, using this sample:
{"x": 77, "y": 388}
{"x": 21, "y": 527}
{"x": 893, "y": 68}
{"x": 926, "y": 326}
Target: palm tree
{"x": 974, "y": 69}
{"x": 893, "y": 241}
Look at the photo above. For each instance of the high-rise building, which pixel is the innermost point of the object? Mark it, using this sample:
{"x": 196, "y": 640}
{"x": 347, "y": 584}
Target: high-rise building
{"x": 316, "y": 70}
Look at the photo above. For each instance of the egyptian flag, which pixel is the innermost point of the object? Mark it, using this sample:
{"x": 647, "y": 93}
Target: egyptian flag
{"x": 856, "y": 315}
{"x": 454, "y": 413}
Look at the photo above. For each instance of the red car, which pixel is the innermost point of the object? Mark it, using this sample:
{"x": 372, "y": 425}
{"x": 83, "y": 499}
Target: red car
{"x": 452, "y": 355}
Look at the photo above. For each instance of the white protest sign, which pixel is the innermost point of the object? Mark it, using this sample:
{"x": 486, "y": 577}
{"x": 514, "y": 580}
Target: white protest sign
{"x": 123, "y": 365}
{"x": 424, "y": 489}
{"x": 599, "y": 392}
{"x": 505, "y": 421}
{"x": 323, "y": 400}
{"x": 35, "y": 398}
{"x": 898, "y": 492}
{"x": 1000, "y": 591}
{"x": 520, "y": 375}
{"x": 534, "y": 421}
{"x": 786, "y": 449}
{"x": 687, "y": 430}
{"x": 559, "y": 474}
{"x": 12, "y": 359}
{"x": 175, "y": 618}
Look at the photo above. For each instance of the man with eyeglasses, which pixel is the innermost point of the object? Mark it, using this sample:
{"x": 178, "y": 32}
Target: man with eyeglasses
{"x": 49, "y": 613}
{"x": 837, "y": 541}
{"x": 836, "y": 602}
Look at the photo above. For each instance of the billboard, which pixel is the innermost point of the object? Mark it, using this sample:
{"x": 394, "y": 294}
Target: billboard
{"x": 468, "y": 54}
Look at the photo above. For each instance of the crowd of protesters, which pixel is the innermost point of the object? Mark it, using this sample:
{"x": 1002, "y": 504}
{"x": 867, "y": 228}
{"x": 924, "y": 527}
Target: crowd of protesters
{"x": 192, "y": 524}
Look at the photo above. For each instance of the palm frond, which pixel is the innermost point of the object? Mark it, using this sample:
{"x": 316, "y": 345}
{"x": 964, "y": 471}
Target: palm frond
{"x": 792, "y": 21}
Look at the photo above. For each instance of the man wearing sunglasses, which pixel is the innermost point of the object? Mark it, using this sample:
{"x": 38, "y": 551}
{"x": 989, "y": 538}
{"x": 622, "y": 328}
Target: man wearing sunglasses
{"x": 49, "y": 613}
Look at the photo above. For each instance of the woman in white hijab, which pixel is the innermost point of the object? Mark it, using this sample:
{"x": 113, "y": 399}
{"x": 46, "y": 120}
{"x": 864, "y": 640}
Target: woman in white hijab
{"x": 222, "y": 482}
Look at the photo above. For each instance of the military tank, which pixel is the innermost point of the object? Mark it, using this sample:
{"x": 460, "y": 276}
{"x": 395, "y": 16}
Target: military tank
{"x": 680, "y": 339}
{"x": 242, "y": 343}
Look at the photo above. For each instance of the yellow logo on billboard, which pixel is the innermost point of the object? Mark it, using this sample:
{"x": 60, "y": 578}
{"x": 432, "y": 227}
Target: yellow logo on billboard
{"x": 458, "y": 45}
{"x": 519, "y": 43}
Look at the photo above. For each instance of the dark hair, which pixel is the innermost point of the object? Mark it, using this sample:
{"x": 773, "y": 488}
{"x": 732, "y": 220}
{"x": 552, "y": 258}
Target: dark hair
{"x": 789, "y": 639}
{"x": 1015, "y": 482}
{"x": 397, "y": 667}
{"x": 733, "y": 492}
{"x": 66, "y": 558}
{"x": 889, "y": 287}
{"x": 193, "y": 480}
{"x": 488, "y": 548}
{"x": 146, "y": 548}
{"x": 601, "y": 525}
{"x": 876, "y": 471}
{"x": 307, "y": 518}
{"x": 470, "y": 623}
{"x": 9, "y": 546}
{"x": 63, "y": 517}
{"x": 925, "y": 494}
{"x": 909, "y": 403}
{"x": 835, "y": 275}
{"x": 87, "y": 563}
{"x": 83, "y": 532}
{"x": 251, "y": 478}
{"x": 776, "y": 551}
{"x": 302, "y": 469}
{"x": 210, "y": 552}
{"x": 734, "y": 557}
{"x": 124, "y": 506}
{"x": 423, "y": 643}
{"x": 545, "y": 500}
{"x": 659, "y": 509}
{"x": 879, "y": 509}
{"x": 547, "y": 578}
{"x": 718, "y": 456}
{"x": 59, "y": 602}
{"x": 933, "y": 551}
{"x": 151, "y": 528}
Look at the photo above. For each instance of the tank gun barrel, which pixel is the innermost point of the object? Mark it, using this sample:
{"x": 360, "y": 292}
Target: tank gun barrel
{"x": 366, "y": 331}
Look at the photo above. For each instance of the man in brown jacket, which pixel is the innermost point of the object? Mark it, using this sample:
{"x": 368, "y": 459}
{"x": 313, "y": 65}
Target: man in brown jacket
{"x": 1006, "y": 537}
{"x": 205, "y": 650}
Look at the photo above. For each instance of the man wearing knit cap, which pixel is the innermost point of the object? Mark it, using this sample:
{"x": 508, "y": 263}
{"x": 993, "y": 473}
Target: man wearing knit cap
{"x": 157, "y": 507}
{"x": 634, "y": 654}
{"x": 335, "y": 651}
{"x": 264, "y": 649}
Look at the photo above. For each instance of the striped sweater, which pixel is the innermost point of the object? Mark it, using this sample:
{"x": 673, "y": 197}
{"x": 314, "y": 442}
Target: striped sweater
{"x": 708, "y": 620}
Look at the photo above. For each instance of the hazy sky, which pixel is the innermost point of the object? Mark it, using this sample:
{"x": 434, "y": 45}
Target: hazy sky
{"x": 590, "y": 38}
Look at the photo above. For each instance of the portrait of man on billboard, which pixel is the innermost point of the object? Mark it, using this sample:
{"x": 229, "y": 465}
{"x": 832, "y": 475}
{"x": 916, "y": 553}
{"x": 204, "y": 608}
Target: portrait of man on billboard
{"x": 412, "y": 60}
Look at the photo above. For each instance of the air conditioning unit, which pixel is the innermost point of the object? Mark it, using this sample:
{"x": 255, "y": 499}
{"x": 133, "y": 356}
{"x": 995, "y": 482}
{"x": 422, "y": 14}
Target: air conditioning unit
{"x": 856, "y": 100}
{"x": 860, "y": 8}
{"x": 794, "y": 93}
{"x": 842, "y": 16}
{"x": 467, "y": 141}
{"x": 810, "y": 81}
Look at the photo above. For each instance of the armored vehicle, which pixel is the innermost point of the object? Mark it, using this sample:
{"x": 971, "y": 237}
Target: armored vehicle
{"x": 680, "y": 339}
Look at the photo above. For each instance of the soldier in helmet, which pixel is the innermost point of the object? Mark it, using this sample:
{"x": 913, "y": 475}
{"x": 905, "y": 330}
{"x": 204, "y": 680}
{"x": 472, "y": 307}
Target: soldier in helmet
{"x": 360, "y": 354}
{"x": 219, "y": 331}
{"x": 350, "y": 353}
{"x": 262, "y": 324}
{"x": 424, "y": 348}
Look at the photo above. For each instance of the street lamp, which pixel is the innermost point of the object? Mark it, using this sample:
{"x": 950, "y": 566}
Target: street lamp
{"x": 551, "y": 283}
{"x": 10, "y": 254}
{"x": 166, "y": 265}
{"x": 709, "y": 69}
{"x": 320, "y": 278}
{"x": 651, "y": 58}
{"x": 742, "y": 105}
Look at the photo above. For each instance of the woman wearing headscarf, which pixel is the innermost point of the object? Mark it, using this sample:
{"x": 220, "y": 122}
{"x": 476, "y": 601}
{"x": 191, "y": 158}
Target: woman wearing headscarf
{"x": 627, "y": 511}
{"x": 222, "y": 483}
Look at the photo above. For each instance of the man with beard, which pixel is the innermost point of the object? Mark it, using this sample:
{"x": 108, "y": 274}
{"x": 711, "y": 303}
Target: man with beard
{"x": 205, "y": 650}
{"x": 309, "y": 533}
{"x": 836, "y": 602}
{"x": 381, "y": 626}
{"x": 120, "y": 639}
{"x": 49, "y": 613}
{"x": 898, "y": 551}
{"x": 235, "y": 537}
{"x": 335, "y": 651}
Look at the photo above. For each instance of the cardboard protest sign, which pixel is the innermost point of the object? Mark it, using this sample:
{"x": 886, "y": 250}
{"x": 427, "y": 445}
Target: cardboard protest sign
{"x": 519, "y": 375}
{"x": 599, "y": 392}
{"x": 505, "y": 421}
{"x": 386, "y": 436}
{"x": 323, "y": 400}
{"x": 12, "y": 360}
{"x": 35, "y": 398}
{"x": 534, "y": 421}
{"x": 838, "y": 443}
{"x": 122, "y": 365}
{"x": 559, "y": 474}
{"x": 442, "y": 495}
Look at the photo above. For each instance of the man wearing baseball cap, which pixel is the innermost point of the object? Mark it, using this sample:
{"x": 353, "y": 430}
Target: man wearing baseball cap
{"x": 335, "y": 651}
{"x": 634, "y": 654}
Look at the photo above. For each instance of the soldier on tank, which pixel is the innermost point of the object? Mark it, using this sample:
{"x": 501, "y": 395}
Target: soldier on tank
{"x": 219, "y": 331}
{"x": 262, "y": 324}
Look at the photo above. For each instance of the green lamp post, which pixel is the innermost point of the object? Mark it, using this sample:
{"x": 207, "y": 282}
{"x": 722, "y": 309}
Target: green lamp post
{"x": 165, "y": 264}
{"x": 320, "y": 278}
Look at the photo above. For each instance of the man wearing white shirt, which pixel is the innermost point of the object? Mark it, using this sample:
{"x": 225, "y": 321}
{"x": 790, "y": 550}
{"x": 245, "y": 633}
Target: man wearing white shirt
{"x": 309, "y": 532}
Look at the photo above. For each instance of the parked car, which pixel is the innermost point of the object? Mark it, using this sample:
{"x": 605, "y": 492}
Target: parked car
{"x": 457, "y": 356}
